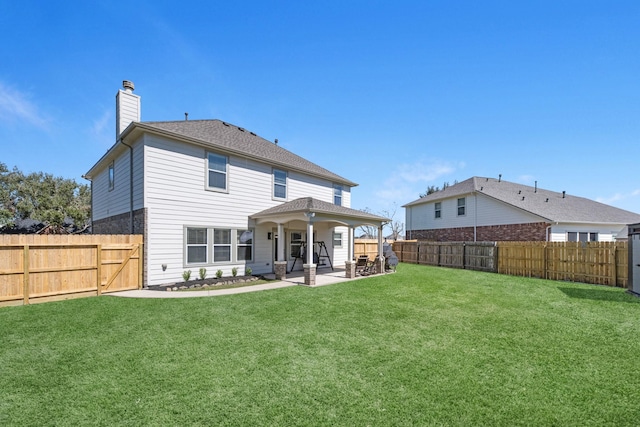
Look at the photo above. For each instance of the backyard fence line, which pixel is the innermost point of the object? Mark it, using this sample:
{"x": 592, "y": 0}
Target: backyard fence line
{"x": 603, "y": 263}
{"x": 39, "y": 268}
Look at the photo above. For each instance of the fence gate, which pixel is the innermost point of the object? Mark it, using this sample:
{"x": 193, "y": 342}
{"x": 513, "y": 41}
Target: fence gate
{"x": 48, "y": 268}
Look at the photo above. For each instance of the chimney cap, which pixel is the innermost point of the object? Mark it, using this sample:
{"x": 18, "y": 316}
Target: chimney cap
{"x": 128, "y": 85}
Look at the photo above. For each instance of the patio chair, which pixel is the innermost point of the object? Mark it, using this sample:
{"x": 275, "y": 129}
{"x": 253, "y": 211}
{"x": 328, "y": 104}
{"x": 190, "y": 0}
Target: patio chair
{"x": 371, "y": 267}
{"x": 361, "y": 263}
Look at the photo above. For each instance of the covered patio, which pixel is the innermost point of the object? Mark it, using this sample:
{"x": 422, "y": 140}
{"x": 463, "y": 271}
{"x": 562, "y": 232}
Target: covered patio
{"x": 309, "y": 212}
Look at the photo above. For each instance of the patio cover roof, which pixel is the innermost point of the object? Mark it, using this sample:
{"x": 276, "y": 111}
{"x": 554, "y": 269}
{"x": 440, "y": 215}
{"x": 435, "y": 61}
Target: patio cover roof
{"x": 309, "y": 209}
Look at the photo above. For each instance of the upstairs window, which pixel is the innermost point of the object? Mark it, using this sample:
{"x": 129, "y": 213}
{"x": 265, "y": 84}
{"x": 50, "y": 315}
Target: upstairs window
{"x": 111, "y": 176}
{"x": 279, "y": 184}
{"x": 462, "y": 204}
{"x": 438, "y": 210}
{"x": 217, "y": 171}
{"x": 337, "y": 194}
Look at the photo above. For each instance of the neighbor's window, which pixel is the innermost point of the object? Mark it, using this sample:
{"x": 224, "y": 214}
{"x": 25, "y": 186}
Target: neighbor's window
{"x": 221, "y": 245}
{"x": 244, "y": 245}
{"x": 438, "y": 209}
{"x": 574, "y": 236}
{"x": 337, "y": 194}
{"x": 279, "y": 184}
{"x": 196, "y": 245}
{"x": 217, "y": 171}
{"x": 337, "y": 240}
{"x": 461, "y": 206}
{"x": 111, "y": 176}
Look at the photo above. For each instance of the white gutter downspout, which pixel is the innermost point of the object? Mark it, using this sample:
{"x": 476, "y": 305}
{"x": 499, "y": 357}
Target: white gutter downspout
{"x": 130, "y": 185}
{"x": 475, "y": 216}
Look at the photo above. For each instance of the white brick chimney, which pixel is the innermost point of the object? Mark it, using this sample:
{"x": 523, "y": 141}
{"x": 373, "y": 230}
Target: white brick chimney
{"x": 127, "y": 107}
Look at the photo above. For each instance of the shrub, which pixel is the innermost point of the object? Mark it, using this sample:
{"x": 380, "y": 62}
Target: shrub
{"x": 247, "y": 271}
{"x": 186, "y": 275}
{"x": 203, "y": 273}
{"x": 234, "y": 271}
{"x": 219, "y": 274}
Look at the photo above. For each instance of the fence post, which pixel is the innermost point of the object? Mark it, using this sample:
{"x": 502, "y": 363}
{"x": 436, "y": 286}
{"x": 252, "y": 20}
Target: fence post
{"x": 99, "y": 269}
{"x": 25, "y": 276}
{"x": 140, "y": 264}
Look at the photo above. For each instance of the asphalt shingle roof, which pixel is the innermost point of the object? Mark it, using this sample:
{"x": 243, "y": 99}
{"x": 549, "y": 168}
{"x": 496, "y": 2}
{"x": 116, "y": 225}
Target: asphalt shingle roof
{"x": 551, "y": 205}
{"x": 234, "y": 139}
{"x": 309, "y": 204}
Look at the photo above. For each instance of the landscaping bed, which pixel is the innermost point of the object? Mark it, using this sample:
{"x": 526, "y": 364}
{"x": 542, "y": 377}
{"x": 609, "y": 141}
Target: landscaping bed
{"x": 204, "y": 284}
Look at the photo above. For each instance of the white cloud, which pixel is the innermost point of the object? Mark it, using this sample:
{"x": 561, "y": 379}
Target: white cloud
{"x": 618, "y": 197}
{"x": 407, "y": 181}
{"x": 526, "y": 179}
{"x": 14, "y": 105}
{"x": 100, "y": 124}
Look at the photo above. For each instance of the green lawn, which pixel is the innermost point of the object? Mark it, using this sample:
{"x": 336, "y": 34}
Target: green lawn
{"x": 424, "y": 346}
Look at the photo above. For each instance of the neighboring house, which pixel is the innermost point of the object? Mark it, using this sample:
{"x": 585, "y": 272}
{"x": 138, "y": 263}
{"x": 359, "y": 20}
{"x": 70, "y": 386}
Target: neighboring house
{"x": 488, "y": 209}
{"x": 208, "y": 194}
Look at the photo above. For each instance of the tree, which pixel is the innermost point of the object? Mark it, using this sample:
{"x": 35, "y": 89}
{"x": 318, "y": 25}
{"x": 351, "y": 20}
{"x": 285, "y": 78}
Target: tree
{"x": 395, "y": 227}
{"x": 434, "y": 189}
{"x": 43, "y": 197}
{"x": 369, "y": 231}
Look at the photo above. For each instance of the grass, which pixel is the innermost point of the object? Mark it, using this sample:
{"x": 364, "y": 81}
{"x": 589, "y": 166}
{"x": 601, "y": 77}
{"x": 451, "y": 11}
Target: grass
{"x": 424, "y": 346}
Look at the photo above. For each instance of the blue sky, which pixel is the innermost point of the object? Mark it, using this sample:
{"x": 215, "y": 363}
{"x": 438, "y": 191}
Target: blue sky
{"x": 396, "y": 95}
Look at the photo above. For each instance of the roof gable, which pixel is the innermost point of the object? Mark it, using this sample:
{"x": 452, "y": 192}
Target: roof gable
{"x": 551, "y": 205}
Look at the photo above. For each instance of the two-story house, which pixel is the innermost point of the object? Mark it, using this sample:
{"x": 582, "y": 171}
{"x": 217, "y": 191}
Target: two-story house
{"x": 489, "y": 209}
{"x": 209, "y": 194}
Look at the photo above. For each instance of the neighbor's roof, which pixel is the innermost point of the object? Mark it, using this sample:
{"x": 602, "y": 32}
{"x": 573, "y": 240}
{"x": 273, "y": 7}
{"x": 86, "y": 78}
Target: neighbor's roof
{"x": 550, "y": 205}
{"x": 219, "y": 135}
{"x": 309, "y": 204}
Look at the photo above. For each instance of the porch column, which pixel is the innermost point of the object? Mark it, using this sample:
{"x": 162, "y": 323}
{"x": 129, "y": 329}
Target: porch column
{"x": 380, "y": 264}
{"x": 310, "y": 267}
{"x": 281, "y": 263}
{"x": 350, "y": 264}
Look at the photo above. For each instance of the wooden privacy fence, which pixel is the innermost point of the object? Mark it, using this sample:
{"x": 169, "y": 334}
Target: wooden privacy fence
{"x": 367, "y": 247}
{"x": 469, "y": 255}
{"x": 603, "y": 263}
{"x": 36, "y": 268}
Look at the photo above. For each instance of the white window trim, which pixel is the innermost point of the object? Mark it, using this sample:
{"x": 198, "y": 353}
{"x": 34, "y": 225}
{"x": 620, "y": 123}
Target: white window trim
{"x": 464, "y": 206}
{"x": 210, "y": 246}
{"x": 437, "y": 210}
{"x": 187, "y": 245}
{"x": 226, "y": 173}
{"x": 111, "y": 175}
{"x": 333, "y": 239}
{"x": 273, "y": 184}
{"x": 340, "y": 189}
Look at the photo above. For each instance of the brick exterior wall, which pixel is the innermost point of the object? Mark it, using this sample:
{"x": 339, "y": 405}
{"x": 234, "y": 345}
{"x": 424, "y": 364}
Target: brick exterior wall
{"x": 535, "y": 231}
{"x": 119, "y": 224}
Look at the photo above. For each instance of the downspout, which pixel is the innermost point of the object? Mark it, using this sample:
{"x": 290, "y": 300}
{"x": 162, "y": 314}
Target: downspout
{"x": 475, "y": 216}
{"x": 130, "y": 185}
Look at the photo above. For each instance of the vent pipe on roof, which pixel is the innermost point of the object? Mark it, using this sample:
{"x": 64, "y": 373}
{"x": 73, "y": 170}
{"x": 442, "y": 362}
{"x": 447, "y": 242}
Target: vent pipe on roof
{"x": 564, "y": 193}
{"x": 128, "y": 86}
{"x": 276, "y": 141}
{"x": 547, "y": 200}
{"x": 186, "y": 116}
{"x": 499, "y": 177}
{"x": 536, "y": 188}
